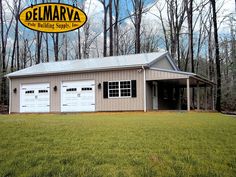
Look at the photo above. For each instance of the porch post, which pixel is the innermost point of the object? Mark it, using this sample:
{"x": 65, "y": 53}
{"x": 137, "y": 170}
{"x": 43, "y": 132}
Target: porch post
{"x": 205, "y": 90}
{"x": 188, "y": 95}
{"x": 198, "y": 96}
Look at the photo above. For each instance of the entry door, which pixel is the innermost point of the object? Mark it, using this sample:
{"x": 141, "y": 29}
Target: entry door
{"x": 78, "y": 96}
{"x": 155, "y": 96}
{"x": 35, "y": 97}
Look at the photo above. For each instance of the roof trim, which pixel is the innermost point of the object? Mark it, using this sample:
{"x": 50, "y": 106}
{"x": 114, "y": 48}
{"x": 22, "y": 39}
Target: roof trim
{"x": 172, "y": 62}
{"x": 169, "y": 58}
{"x": 191, "y": 75}
{"x": 157, "y": 59}
{"x": 76, "y": 71}
{"x": 173, "y": 71}
{"x": 203, "y": 79}
{"x": 92, "y": 64}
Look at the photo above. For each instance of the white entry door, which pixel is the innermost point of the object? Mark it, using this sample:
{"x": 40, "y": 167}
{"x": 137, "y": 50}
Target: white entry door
{"x": 78, "y": 96}
{"x": 35, "y": 97}
{"x": 155, "y": 95}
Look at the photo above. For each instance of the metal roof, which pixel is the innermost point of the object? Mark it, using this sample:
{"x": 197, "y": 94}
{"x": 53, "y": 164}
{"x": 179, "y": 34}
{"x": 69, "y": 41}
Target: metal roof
{"x": 106, "y": 63}
{"x": 189, "y": 74}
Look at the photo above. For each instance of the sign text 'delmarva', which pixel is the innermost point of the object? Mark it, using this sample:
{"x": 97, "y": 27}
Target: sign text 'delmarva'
{"x": 53, "y": 17}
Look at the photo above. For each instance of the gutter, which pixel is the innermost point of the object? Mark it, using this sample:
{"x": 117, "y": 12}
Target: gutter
{"x": 204, "y": 80}
{"x": 9, "y": 111}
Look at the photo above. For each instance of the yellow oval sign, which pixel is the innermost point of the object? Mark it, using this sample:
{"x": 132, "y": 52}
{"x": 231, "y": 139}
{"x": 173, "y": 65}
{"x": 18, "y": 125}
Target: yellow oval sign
{"x": 53, "y": 17}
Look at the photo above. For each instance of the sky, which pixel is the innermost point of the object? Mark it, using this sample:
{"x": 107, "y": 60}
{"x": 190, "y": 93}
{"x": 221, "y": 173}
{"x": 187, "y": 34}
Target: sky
{"x": 94, "y": 11}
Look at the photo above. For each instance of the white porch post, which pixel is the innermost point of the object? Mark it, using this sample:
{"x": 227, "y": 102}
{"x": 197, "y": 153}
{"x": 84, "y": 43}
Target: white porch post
{"x": 198, "y": 96}
{"x": 188, "y": 95}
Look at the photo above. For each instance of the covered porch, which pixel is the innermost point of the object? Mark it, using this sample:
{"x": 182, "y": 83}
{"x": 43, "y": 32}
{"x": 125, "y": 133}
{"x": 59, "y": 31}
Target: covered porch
{"x": 176, "y": 90}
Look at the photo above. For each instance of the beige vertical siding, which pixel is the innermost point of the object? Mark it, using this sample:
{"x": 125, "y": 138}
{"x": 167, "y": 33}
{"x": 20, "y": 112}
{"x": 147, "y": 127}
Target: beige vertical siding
{"x": 163, "y": 63}
{"x": 111, "y": 104}
{"x": 152, "y": 75}
{"x": 162, "y": 75}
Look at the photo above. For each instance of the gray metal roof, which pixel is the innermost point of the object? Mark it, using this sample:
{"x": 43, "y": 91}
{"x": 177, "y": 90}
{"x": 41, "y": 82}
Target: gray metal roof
{"x": 125, "y": 61}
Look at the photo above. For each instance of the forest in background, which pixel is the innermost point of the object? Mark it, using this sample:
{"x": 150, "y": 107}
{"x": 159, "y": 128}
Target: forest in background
{"x": 191, "y": 30}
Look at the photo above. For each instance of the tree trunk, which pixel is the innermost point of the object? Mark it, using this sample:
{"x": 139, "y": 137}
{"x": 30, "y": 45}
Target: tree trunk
{"x": 105, "y": 34}
{"x": 116, "y": 28}
{"x": 38, "y": 47}
{"x": 190, "y": 34}
{"x": 47, "y": 49}
{"x": 138, "y": 7}
{"x": 190, "y": 39}
{"x": 3, "y": 57}
{"x": 217, "y": 56}
{"x": 55, "y": 45}
{"x": 79, "y": 45}
{"x": 105, "y": 8}
{"x": 111, "y": 28}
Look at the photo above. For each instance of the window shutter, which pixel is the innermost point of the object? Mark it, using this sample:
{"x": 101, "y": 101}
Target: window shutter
{"x": 105, "y": 89}
{"x": 133, "y": 88}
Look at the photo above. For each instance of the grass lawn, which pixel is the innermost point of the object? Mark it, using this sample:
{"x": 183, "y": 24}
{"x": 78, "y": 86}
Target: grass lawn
{"x": 118, "y": 144}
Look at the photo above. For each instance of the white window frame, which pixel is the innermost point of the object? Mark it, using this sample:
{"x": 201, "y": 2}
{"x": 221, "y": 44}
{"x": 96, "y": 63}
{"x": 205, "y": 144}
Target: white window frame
{"x": 119, "y": 89}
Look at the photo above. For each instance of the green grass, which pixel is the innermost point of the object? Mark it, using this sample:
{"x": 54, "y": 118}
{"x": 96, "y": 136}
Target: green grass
{"x": 118, "y": 144}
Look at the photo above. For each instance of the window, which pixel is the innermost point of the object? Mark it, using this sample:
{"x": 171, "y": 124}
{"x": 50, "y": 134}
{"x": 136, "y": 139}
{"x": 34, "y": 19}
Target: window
{"x": 119, "y": 89}
{"x": 71, "y": 89}
{"x": 125, "y": 88}
{"x": 43, "y": 91}
{"x": 29, "y": 91}
{"x": 86, "y": 89}
{"x": 113, "y": 88}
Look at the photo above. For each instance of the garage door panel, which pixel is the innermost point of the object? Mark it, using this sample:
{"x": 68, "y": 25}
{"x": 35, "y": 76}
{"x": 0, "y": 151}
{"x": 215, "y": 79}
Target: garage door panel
{"x": 35, "y": 97}
{"x": 78, "y": 96}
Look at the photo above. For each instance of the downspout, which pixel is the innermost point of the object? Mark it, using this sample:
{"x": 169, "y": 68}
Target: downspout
{"x": 144, "y": 90}
{"x": 9, "y": 111}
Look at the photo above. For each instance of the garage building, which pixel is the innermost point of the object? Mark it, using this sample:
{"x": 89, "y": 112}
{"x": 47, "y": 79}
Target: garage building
{"x": 137, "y": 82}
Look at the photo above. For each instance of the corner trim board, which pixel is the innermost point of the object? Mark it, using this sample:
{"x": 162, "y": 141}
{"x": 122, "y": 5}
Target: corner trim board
{"x": 10, "y": 95}
{"x": 144, "y": 90}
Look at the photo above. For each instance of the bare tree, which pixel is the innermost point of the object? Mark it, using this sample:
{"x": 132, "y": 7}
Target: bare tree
{"x": 138, "y": 9}
{"x": 217, "y": 56}
{"x": 111, "y": 28}
{"x": 65, "y": 47}
{"x": 15, "y": 10}
{"x": 3, "y": 56}
{"x": 105, "y": 8}
{"x": 176, "y": 16}
{"x": 190, "y": 33}
{"x": 55, "y": 38}
{"x": 160, "y": 17}
{"x": 116, "y": 27}
{"x": 47, "y": 47}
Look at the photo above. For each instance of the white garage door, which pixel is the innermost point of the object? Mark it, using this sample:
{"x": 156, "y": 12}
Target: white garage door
{"x": 35, "y": 97}
{"x": 78, "y": 96}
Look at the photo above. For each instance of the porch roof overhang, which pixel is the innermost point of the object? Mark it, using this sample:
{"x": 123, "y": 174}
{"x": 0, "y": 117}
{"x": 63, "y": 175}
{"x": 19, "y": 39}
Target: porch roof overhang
{"x": 178, "y": 77}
